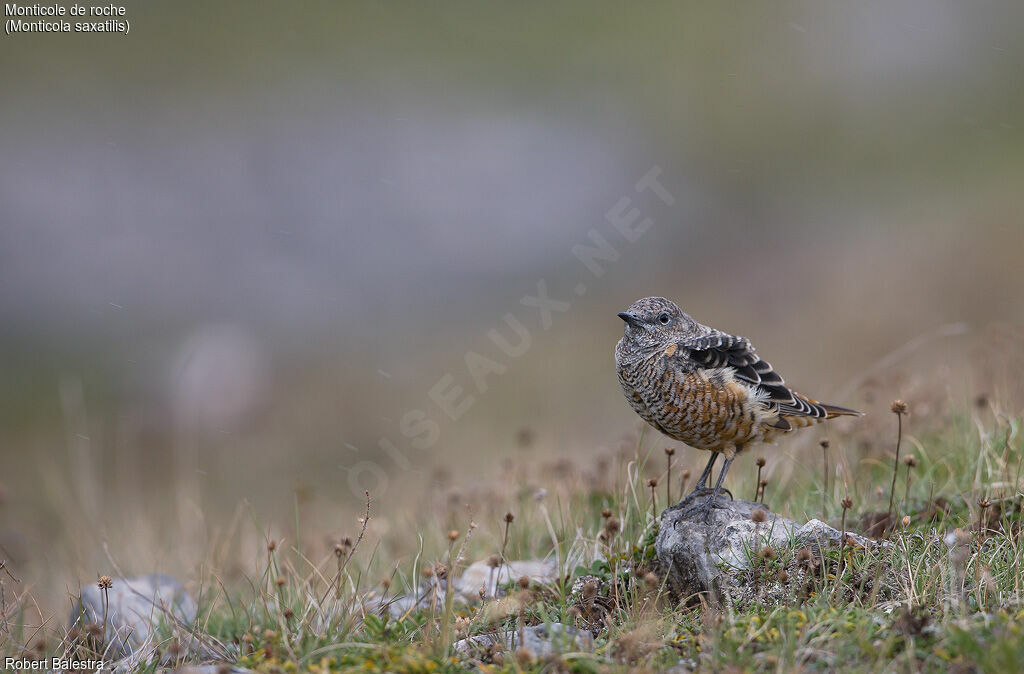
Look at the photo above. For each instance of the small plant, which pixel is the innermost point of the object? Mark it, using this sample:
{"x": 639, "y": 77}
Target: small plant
{"x": 757, "y": 483}
{"x": 899, "y": 408}
{"x": 105, "y": 583}
{"x": 846, "y": 503}
{"x": 669, "y": 451}
{"x": 910, "y": 461}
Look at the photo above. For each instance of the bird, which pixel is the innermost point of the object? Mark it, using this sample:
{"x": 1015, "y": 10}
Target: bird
{"x": 706, "y": 388}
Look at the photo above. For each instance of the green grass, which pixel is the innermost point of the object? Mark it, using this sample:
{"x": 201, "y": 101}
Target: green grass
{"x": 914, "y": 605}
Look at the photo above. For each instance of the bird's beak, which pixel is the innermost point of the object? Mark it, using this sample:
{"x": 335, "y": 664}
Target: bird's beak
{"x": 628, "y": 317}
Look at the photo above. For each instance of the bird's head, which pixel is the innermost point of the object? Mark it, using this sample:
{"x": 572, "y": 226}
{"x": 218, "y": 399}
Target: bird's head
{"x": 655, "y": 322}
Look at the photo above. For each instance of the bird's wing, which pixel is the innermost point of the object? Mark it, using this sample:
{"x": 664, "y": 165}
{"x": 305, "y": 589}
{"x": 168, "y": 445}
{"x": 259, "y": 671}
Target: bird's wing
{"x": 720, "y": 349}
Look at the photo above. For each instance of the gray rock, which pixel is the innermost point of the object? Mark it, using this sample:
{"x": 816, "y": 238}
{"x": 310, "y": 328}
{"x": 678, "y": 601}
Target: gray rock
{"x": 710, "y": 557}
{"x": 477, "y": 576}
{"x": 541, "y": 640}
{"x": 481, "y": 575}
{"x": 135, "y": 605}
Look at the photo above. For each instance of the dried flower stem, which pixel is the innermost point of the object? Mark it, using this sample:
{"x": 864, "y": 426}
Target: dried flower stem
{"x": 669, "y": 451}
{"x": 847, "y": 503}
{"x": 336, "y": 581}
{"x": 509, "y": 517}
{"x": 106, "y": 605}
{"x": 898, "y": 408}
{"x": 906, "y": 490}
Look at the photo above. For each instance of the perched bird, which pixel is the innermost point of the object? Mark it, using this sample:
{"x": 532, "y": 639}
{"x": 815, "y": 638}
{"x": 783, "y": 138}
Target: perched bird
{"x": 706, "y": 388}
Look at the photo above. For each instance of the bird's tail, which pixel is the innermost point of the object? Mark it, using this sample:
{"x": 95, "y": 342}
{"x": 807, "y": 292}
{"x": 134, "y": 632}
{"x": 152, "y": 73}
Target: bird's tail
{"x": 833, "y": 411}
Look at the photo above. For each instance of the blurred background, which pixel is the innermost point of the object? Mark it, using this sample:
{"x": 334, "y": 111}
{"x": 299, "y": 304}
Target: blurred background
{"x": 241, "y": 246}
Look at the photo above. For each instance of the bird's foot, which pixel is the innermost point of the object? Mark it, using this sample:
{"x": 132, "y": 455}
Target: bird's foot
{"x": 705, "y": 489}
{"x": 705, "y": 510}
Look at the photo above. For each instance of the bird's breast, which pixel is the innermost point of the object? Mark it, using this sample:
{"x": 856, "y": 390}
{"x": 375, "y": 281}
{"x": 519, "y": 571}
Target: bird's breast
{"x": 705, "y": 408}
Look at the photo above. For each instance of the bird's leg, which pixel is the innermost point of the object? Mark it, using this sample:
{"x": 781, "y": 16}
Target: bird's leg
{"x": 705, "y": 477}
{"x": 718, "y": 488}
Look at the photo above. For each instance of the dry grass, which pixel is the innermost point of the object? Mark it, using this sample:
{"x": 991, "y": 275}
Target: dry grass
{"x": 314, "y": 593}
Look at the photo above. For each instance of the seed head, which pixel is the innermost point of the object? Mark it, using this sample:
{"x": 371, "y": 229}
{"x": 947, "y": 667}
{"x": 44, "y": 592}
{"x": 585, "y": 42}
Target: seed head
{"x": 524, "y": 655}
{"x": 803, "y": 554}
{"x": 760, "y": 462}
{"x": 847, "y": 503}
{"x": 453, "y": 535}
{"x": 669, "y": 451}
{"x": 760, "y": 515}
{"x": 984, "y": 503}
{"x": 509, "y": 517}
{"x": 93, "y": 630}
{"x": 248, "y": 638}
{"x": 524, "y": 582}
{"x": 782, "y": 576}
{"x": 386, "y": 583}
{"x": 271, "y": 545}
{"x": 494, "y": 561}
{"x": 441, "y": 571}
{"x": 612, "y": 526}
{"x": 269, "y": 634}
{"x": 651, "y": 581}
{"x": 339, "y": 550}
{"x": 653, "y": 482}
{"x": 767, "y": 552}
{"x": 281, "y": 582}
{"x": 685, "y": 474}
{"x": 906, "y": 521}
{"x": 898, "y": 407}
{"x": 910, "y": 460}
{"x": 606, "y": 513}
{"x": 824, "y": 443}
{"x": 589, "y": 589}
{"x": 288, "y": 614}
{"x": 105, "y": 583}
{"x": 764, "y": 482}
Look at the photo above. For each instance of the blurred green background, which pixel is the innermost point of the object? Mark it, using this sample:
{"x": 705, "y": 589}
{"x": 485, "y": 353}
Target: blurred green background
{"x": 240, "y": 243}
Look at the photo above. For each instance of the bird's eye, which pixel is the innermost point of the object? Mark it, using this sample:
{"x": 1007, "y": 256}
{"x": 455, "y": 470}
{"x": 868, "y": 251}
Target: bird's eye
{"x": 664, "y": 319}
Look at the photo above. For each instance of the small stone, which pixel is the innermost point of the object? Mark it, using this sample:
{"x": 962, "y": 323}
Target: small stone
{"x": 542, "y": 641}
{"x": 493, "y": 579}
{"x": 135, "y": 605}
